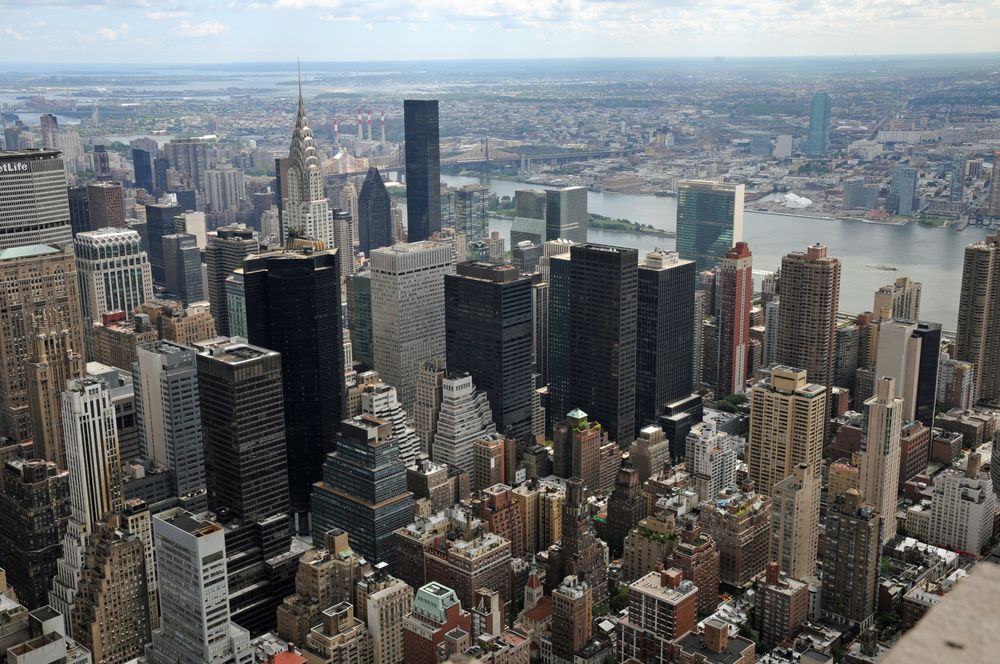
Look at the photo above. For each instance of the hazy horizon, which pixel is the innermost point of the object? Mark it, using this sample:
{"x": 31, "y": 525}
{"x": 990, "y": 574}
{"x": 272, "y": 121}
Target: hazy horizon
{"x": 231, "y": 31}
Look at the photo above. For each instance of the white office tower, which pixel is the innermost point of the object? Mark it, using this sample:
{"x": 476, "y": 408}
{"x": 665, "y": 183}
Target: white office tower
{"x": 224, "y": 188}
{"x": 195, "y": 626}
{"x": 168, "y": 416}
{"x": 306, "y": 209}
{"x": 349, "y": 203}
{"x": 711, "y": 458}
{"x": 898, "y": 356}
{"x": 464, "y": 418}
{"x": 880, "y": 453}
{"x": 771, "y": 310}
{"x": 962, "y": 509}
{"x": 408, "y": 311}
{"x": 113, "y": 270}
{"x": 95, "y": 487}
{"x": 380, "y": 400}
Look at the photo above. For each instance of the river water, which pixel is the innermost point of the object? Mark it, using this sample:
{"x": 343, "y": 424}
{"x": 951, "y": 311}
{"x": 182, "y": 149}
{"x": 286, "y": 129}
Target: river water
{"x": 932, "y": 256}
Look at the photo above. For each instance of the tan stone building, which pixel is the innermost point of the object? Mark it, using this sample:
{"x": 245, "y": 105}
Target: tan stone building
{"x": 795, "y": 522}
{"x": 40, "y": 290}
{"x": 325, "y": 577}
{"x": 740, "y": 524}
{"x": 383, "y": 601}
{"x": 111, "y": 612}
{"x": 807, "y": 314}
{"x": 788, "y": 417}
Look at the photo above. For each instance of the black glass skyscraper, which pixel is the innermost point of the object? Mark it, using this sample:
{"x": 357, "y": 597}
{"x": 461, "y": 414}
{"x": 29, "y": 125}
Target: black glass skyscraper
{"x": 374, "y": 213}
{"x": 293, "y": 308}
{"x": 79, "y": 210}
{"x": 488, "y": 334}
{"x": 927, "y": 374}
{"x": 243, "y": 424}
{"x": 364, "y": 491}
{"x": 142, "y": 163}
{"x": 159, "y": 222}
{"x": 160, "y": 167}
{"x": 423, "y": 168}
{"x": 664, "y": 334}
{"x": 593, "y": 335}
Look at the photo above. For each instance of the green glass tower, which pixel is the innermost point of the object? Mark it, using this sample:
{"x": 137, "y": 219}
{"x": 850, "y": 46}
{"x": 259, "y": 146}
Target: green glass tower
{"x": 709, "y": 220}
{"x": 818, "y": 142}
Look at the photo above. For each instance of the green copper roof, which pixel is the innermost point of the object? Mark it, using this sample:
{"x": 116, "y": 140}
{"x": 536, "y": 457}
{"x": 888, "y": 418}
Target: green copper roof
{"x": 28, "y": 251}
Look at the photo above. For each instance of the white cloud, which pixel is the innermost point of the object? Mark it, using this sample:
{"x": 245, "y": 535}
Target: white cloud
{"x": 202, "y": 29}
{"x": 14, "y": 34}
{"x": 350, "y": 18}
{"x": 112, "y": 34}
{"x": 167, "y": 14}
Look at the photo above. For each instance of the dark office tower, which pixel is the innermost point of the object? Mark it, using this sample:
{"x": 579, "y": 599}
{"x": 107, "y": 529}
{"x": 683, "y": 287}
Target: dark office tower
{"x": 102, "y": 162}
{"x": 79, "y": 210}
{"x": 818, "y": 142}
{"x": 243, "y": 423}
{"x": 927, "y": 375}
{"x": 602, "y": 336}
{"x": 33, "y": 207}
{"x": 581, "y": 552}
{"x": 107, "y": 205}
{"x": 978, "y": 338}
{"x": 281, "y": 190}
{"x": 142, "y": 164}
{"x": 50, "y": 130}
{"x": 524, "y": 255}
{"x": 559, "y": 355}
{"x": 187, "y": 199}
{"x": 529, "y": 203}
{"x": 159, "y": 222}
{"x": 34, "y": 509}
{"x": 160, "y": 167}
{"x": 626, "y": 506}
{"x": 363, "y": 491}
{"x": 226, "y": 249}
{"x": 189, "y": 157}
{"x": 374, "y": 213}
{"x": 293, "y": 308}
{"x": 709, "y": 220}
{"x": 182, "y": 267}
{"x": 245, "y": 463}
{"x": 734, "y": 292}
{"x": 566, "y": 216}
{"x": 359, "y": 318}
{"x": 423, "y": 168}
{"x": 807, "y": 314}
{"x": 664, "y": 334}
{"x": 540, "y": 327}
{"x": 850, "y": 561}
{"x": 488, "y": 334}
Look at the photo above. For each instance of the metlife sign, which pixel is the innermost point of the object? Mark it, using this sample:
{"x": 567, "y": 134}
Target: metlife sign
{"x": 13, "y": 167}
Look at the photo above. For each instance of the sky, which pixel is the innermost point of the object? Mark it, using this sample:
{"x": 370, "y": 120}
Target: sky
{"x": 192, "y": 31}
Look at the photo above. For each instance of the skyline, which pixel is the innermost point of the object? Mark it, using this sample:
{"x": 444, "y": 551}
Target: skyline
{"x": 144, "y": 32}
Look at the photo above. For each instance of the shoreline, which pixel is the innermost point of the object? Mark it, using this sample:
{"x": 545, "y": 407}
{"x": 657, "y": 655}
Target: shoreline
{"x": 672, "y": 194}
{"x": 900, "y": 224}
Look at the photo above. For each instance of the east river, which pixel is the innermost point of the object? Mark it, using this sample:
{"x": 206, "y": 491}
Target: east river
{"x": 932, "y": 256}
